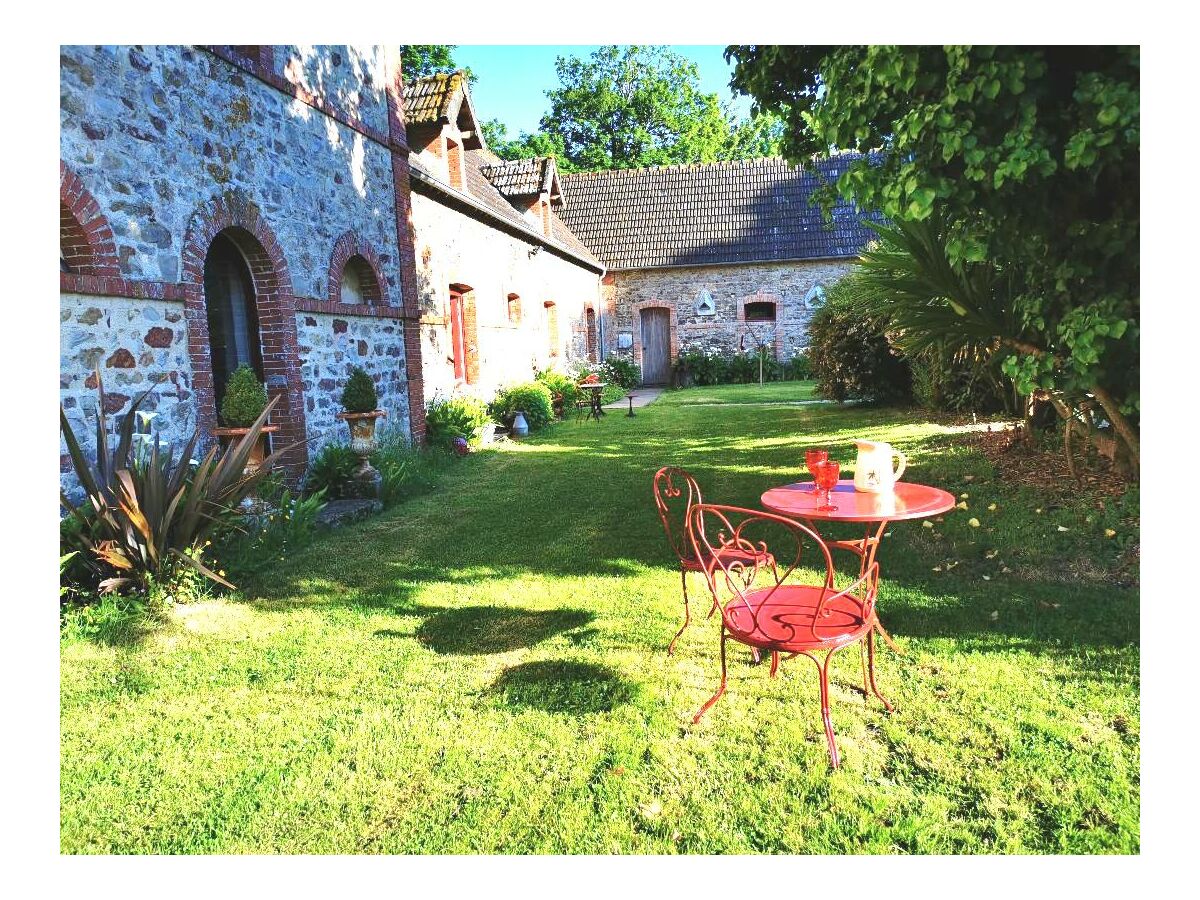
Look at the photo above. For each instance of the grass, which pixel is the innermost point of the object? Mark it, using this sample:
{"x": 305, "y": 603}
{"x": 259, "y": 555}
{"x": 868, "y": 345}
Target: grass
{"x": 482, "y": 669}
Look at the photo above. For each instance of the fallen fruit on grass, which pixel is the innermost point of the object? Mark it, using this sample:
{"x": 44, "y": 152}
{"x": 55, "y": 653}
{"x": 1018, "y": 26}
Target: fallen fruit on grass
{"x": 1108, "y": 532}
{"x": 926, "y": 524}
{"x": 991, "y": 507}
{"x": 1063, "y": 528}
{"x": 995, "y": 615}
{"x": 973, "y": 522}
{"x": 962, "y": 505}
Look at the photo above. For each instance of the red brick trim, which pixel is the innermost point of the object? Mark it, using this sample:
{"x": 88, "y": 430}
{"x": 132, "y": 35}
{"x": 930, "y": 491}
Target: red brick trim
{"x": 637, "y": 327}
{"x": 762, "y": 297}
{"x": 345, "y": 248}
{"x": 235, "y": 215}
{"x": 85, "y": 237}
{"x": 312, "y": 304}
{"x": 110, "y": 286}
{"x": 268, "y": 75}
{"x": 407, "y": 254}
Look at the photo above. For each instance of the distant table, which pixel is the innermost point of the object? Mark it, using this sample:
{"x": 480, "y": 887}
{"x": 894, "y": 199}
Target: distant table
{"x": 876, "y": 511}
{"x": 596, "y": 407}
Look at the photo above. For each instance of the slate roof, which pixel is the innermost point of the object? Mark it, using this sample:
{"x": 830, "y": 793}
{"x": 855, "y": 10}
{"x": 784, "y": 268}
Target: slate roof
{"x": 428, "y": 99}
{"x": 755, "y": 210}
{"x": 521, "y": 177}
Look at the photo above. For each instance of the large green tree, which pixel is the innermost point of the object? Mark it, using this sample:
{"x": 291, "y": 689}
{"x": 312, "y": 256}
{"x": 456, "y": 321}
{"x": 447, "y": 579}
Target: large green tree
{"x": 625, "y": 107}
{"x": 420, "y": 60}
{"x": 1029, "y": 156}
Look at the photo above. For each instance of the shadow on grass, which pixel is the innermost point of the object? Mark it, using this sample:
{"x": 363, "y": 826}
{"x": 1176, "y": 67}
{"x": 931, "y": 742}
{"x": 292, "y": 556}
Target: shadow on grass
{"x": 560, "y": 686}
{"x": 478, "y": 630}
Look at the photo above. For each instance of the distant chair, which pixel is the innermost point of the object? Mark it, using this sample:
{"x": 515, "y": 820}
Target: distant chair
{"x": 675, "y": 494}
{"x": 786, "y": 617}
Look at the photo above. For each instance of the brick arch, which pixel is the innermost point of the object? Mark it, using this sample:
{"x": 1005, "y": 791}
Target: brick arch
{"x": 776, "y": 326}
{"x": 637, "y": 326}
{"x": 346, "y": 248}
{"x": 85, "y": 237}
{"x": 239, "y": 219}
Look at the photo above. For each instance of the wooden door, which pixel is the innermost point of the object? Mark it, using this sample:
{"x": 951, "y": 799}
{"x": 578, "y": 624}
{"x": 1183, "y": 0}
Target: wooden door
{"x": 656, "y": 346}
{"x": 458, "y": 341}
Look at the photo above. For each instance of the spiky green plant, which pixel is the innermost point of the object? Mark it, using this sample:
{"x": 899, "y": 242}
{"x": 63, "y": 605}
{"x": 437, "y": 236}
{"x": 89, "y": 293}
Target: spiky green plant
{"x": 141, "y": 520}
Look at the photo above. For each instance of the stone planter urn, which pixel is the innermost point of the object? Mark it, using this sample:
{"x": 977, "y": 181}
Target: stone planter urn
{"x": 362, "y": 442}
{"x": 230, "y": 436}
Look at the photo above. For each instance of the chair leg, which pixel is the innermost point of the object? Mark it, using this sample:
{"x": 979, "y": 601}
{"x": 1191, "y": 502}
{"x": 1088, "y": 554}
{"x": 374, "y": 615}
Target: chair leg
{"x": 720, "y": 690}
{"x": 687, "y": 612}
{"x": 774, "y": 663}
{"x": 871, "y": 670}
{"x": 862, "y": 658}
{"x": 825, "y": 717}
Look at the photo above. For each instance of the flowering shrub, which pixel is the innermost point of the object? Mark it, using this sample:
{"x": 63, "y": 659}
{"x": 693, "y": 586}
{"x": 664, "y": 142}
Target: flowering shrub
{"x": 533, "y": 398}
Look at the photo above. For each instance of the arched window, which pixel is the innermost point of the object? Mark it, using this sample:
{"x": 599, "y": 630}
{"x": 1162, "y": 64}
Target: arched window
{"x": 760, "y": 311}
{"x": 590, "y": 319}
{"x": 359, "y": 284}
{"x": 232, "y": 315}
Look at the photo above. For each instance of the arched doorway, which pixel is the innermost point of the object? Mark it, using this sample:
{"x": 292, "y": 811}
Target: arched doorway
{"x": 233, "y": 335}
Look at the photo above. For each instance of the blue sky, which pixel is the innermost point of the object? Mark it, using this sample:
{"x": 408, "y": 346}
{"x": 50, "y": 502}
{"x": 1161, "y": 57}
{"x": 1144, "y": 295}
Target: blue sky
{"x": 513, "y": 80}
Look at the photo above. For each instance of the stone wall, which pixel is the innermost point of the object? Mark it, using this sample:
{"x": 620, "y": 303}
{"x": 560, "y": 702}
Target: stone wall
{"x": 299, "y": 152}
{"x": 730, "y": 288}
{"x": 135, "y": 344}
{"x": 453, "y": 248}
{"x": 329, "y": 346}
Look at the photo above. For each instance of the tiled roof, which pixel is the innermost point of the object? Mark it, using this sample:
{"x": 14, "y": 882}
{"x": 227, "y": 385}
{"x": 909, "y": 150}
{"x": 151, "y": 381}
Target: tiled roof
{"x": 745, "y": 211}
{"x": 520, "y": 177}
{"x": 428, "y": 99}
{"x": 482, "y": 191}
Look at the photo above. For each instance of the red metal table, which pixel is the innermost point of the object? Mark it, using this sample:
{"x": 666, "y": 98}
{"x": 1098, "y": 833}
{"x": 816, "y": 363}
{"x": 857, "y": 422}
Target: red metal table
{"x": 875, "y": 511}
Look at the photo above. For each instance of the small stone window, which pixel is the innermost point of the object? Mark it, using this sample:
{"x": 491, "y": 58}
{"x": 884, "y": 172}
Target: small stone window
{"x": 760, "y": 311}
{"x": 814, "y": 297}
{"x": 359, "y": 284}
{"x": 705, "y": 305}
{"x": 514, "y": 309}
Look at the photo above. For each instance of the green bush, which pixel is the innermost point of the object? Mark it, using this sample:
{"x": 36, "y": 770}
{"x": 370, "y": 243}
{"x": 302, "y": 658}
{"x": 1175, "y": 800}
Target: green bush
{"x": 850, "y": 355}
{"x": 945, "y": 384}
{"x": 405, "y": 471}
{"x": 564, "y": 386}
{"x": 245, "y": 398}
{"x": 359, "y": 396}
{"x": 532, "y": 397}
{"x": 454, "y": 417}
{"x": 255, "y": 542}
{"x": 620, "y": 370}
{"x": 799, "y": 367}
{"x": 331, "y": 471}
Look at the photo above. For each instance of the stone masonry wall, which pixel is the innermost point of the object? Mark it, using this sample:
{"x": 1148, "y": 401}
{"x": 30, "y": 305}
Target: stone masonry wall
{"x": 171, "y": 142}
{"x": 453, "y": 248}
{"x": 135, "y": 344}
{"x": 329, "y": 346}
{"x": 730, "y": 288}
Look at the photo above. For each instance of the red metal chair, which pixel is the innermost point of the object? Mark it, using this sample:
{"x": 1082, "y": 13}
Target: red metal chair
{"x": 676, "y": 493}
{"x": 786, "y": 617}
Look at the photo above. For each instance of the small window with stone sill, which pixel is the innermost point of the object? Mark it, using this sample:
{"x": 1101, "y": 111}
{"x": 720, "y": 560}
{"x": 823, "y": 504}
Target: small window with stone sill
{"x": 760, "y": 311}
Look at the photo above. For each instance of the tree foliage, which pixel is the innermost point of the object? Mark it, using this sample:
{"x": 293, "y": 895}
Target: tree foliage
{"x": 626, "y": 107}
{"x": 420, "y": 60}
{"x": 1030, "y": 157}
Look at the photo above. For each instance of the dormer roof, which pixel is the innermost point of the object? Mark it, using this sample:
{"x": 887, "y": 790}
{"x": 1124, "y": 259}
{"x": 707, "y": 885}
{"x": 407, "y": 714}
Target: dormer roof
{"x": 443, "y": 99}
{"x": 526, "y": 178}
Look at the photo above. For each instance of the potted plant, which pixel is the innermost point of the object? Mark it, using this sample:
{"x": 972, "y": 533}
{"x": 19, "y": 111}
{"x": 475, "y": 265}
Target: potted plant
{"x": 245, "y": 399}
{"x": 360, "y": 410}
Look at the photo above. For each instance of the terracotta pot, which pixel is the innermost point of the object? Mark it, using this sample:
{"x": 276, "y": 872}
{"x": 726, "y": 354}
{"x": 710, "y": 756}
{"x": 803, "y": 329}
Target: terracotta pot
{"x": 230, "y": 436}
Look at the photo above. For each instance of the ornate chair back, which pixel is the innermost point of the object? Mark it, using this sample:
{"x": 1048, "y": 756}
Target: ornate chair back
{"x": 675, "y": 493}
{"x": 733, "y": 542}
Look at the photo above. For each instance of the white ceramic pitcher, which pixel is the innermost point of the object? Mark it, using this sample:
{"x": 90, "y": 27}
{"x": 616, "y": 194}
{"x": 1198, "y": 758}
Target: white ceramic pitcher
{"x": 873, "y": 473}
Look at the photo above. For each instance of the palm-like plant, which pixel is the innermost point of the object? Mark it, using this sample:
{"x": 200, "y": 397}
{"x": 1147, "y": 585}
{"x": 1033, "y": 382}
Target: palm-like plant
{"x": 142, "y": 518}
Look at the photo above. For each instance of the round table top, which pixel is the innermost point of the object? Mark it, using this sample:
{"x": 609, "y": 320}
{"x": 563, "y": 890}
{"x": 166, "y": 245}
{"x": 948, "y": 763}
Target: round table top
{"x": 908, "y": 501}
{"x": 593, "y": 386}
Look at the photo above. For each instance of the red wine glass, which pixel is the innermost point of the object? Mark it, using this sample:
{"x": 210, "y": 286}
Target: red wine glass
{"x": 811, "y": 458}
{"x": 827, "y": 478}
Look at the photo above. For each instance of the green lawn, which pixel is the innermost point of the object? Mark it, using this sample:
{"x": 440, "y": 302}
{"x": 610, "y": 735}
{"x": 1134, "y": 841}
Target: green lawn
{"x": 483, "y": 669}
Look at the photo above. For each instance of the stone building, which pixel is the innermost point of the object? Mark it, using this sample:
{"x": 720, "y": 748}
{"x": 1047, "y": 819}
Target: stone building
{"x": 723, "y": 256}
{"x": 504, "y": 288}
{"x": 227, "y": 205}
{"x": 301, "y": 210}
